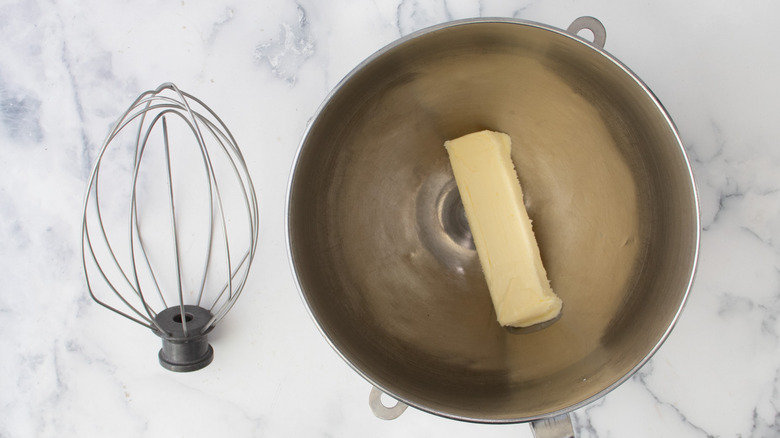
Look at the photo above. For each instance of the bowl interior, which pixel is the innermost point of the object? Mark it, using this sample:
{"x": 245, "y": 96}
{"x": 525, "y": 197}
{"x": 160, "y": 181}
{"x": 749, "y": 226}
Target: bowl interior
{"x": 384, "y": 257}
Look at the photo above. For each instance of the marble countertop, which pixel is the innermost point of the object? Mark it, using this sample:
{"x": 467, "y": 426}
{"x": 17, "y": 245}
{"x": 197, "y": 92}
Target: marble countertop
{"x": 68, "y": 69}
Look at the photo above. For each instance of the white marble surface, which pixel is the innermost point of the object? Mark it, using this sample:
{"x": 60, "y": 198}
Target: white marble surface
{"x": 68, "y": 69}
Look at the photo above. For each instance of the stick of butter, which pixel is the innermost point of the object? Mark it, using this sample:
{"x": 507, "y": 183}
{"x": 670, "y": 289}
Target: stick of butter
{"x": 501, "y": 229}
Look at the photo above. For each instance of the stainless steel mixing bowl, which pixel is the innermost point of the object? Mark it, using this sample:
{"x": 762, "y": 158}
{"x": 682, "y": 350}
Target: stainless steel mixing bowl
{"x": 382, "y": 251}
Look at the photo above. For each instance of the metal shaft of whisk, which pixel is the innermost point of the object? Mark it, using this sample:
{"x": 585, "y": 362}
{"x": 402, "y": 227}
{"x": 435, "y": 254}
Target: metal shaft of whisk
{"x": 175, "y": 233}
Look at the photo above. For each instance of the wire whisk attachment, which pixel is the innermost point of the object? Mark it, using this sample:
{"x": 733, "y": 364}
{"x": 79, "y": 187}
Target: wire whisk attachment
{"x": 170, "y": 223}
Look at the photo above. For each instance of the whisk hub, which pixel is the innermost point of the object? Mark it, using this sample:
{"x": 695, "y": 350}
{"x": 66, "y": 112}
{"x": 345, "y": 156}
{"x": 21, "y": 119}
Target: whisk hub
{"x": 185, "y": 345}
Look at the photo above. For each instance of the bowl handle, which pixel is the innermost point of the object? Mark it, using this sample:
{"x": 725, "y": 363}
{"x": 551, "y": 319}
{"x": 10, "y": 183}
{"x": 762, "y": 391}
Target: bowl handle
{"x": 380, "y": 410}
{"x": 558, "y": 426}
{"x": 593, "y": 25}
{"x": 553, "y": 427}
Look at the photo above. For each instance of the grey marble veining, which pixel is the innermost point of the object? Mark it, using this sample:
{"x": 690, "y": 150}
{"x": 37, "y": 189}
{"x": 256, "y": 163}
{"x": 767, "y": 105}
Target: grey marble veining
{"x": 67, "y": 71}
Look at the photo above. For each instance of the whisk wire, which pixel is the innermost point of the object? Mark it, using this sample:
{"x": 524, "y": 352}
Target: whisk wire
{"x": 143, "y": 321}
{"x": 214, "y": 194}
{"x": 124, "y": 281}
{"x": 142, "y": 140}
{"x": 93, "y": 187}
{"x": 228, "y": 145}
{"x": 175, "y": 234}
{"x": 225, "y": 139}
